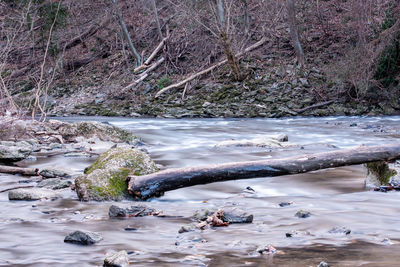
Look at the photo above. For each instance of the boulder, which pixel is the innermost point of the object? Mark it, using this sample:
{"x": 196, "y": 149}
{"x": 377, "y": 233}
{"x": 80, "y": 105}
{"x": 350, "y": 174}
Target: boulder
{"x": 106, "y": 179}
{"x": 32, "y": 194}
{"x": 119, "y": 259}
{"x": 133, "y": 211}
{"x": 104, "y": 132}
{"x": 14, "y": 151}
{"x": 53, "y": 173}
{"x": 83, "y": 238}
{"x": 54, "y": 183}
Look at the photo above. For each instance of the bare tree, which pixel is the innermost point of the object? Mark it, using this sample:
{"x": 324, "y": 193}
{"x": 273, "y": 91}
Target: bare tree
{"x": 223, "y": 28}
{"x": 294, "y": 32}
{"x": 125, "y": 32}
{"x": 155, "y": 11}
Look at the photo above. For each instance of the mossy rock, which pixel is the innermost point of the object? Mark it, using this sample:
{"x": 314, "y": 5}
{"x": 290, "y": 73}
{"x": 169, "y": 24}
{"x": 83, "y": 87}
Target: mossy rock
{"x": 103, "y": 131}
{"x": 106, "y": 179}
{"x": 379, "y": 173}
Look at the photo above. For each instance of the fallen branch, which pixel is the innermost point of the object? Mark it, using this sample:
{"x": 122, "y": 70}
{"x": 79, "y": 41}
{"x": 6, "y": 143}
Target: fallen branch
{"x": 146, "y": 64}
{"x": 154, "y": 185}
{"x": 299, "y": 111}
{"x": 198, "y": 74}
{"x": 19, "y": 170}
{"x": 145, "y": 74}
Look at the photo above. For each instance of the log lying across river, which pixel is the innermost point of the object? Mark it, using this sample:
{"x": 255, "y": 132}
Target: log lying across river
{"x": 154, "y": 185}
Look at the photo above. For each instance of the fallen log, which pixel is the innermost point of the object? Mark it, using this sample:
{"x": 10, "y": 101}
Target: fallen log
{"x": 19, "y": 170}
{"x": 154, "y": 185}
{"x": 318, "y": 105}
{"x": 209, "y": 69}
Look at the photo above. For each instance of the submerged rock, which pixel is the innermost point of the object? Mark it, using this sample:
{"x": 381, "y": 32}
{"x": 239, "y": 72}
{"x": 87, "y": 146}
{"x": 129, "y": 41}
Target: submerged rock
{"x": 106, "y": 179}
{"x": 119, "y": 259}
{"x": 32, "y": 194}
{"x": 265, "y": 141}
{"x": 83, "y": 238}
{"x": 340, "y": 230}
{"x": 323, "y": 264}
{"x": 133, "y": 211}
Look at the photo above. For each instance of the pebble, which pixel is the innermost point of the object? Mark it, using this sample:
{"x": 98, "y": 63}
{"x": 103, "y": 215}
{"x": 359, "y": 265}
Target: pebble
{"x": 303, "y": 214}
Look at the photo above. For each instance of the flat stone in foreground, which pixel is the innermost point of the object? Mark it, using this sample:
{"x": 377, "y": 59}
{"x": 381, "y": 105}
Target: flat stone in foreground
{"x": 32, "y": 194}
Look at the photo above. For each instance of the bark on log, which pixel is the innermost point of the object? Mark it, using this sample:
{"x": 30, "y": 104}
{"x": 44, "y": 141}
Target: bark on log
{"x": 19, "y": 170}
{"x": 154, "y": 185}
{"x": 198, "y": 74}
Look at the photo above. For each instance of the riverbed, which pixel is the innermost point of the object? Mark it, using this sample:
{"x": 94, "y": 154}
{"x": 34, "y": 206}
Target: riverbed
{"x": 32, "y": 233}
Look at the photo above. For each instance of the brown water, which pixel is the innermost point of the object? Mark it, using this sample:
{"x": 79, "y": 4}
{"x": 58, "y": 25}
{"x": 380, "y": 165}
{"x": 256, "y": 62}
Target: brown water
{"x": 32, "y": 233}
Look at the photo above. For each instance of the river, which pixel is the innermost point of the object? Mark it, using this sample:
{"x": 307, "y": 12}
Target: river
{"x": 32, "y": 233}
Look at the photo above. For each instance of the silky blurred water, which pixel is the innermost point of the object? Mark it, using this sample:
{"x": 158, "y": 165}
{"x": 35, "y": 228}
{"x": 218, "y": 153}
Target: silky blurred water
{"x": 32, "y": 233}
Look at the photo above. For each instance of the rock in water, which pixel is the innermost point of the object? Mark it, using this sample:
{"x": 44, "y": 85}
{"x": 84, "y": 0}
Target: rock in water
{"x": 323, "y": 264}
{"x": 119, "y": 259}
{"x": 14, "y": 151}
{"x": 231, "y": 215}
{"x": 83, "y": 238}
{"x": 133, "y": 211}
{"x": 55, "y": 183}
{"x": 32, "y": 194}
{"x": 303, "y": 214}
{"x": 52, "y": 173}
{"x": 105, "y": 179}
{"x": 102, "y": 131}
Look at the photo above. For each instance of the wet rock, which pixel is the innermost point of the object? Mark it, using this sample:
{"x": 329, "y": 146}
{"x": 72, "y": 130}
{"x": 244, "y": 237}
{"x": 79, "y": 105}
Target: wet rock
{"x": 130, "y": 228}
{"x": 187, "y": 228}
{"x": 303, "y": 214}
{"x": 55, "y": 183}
{"x": 119, "y": 259}
{"x": 340, "y": 230}
{"x": 83, "y": 238}
{"x": 269, "y": 249}
{"x": 230, "y": 215}
{"x": 285, "y": 204}
{"x": 133, "y": 211}
{"x": 387, "y": 242}
{"x": 32, "y": 194}
{"x": 380, "y": 173}
{"x": 96, "y": 129}
{"x": 106, "y": 179}
{"x": 14, "y": 151}
{"x": 323, "y": 264}
{"x": 52, "y": 173}
{"x": 266, "y": 141}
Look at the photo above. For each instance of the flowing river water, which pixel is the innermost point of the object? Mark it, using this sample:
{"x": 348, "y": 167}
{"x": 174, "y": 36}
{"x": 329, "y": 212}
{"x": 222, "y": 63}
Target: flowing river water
{"x": 32, "y": 233}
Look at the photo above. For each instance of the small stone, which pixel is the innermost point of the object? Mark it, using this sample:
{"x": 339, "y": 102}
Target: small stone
{"x": 353, "y": 124}
{"x": 187, "y": 228}
{"x": 83, "y": 238}
{"x": 323, "y": 264}
{"x": 237, "y": 216}
{"x": 119, "y": 259}
{"x": 269, "y": 249}
{"x": 387, "y": 242}
{"x": 130, "y": 228}
{"x": 305, "y": 82}
{"x": 340, "y": 230}
{"x": 32, "y": 194}
{"x": 285, "y": 204}
{"x": 303, "y": 214}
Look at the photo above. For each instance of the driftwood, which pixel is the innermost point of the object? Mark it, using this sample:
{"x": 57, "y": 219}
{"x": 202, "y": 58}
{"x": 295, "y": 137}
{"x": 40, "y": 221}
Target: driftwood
{"x": 154, "y": 185}
{"x": 144, "y": 75}
{"x": 318, "y": 105}
{"x": 146, "y": 64}
{"x": 16, "y": 187}
{"x": 198, "y": 74}
{"x": 19, "y": 170}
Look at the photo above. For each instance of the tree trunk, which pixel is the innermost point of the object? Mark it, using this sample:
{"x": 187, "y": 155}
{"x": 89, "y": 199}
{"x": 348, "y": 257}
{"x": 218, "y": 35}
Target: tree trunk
{"x": 232, "y": 60}
{"x": 294, "y": 32}
{"x": 154, "y": 6}
{"x": 154, "y": 185}
{"x": 18, "y": 170}
{"x": 126, "y": 33}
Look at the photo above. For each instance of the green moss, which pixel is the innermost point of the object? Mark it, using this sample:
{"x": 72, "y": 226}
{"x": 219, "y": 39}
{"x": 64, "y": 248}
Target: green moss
{"x": 116, "y": 187}
{"x": 381, "y": 170}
